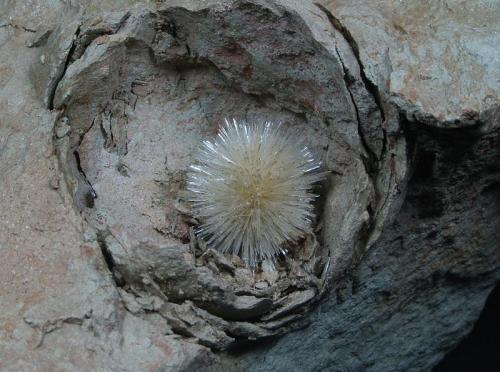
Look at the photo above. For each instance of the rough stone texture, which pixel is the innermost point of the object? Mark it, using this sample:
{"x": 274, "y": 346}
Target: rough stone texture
{"x": 100, "y": 108}
{"x": 131, "y": 131}
{"x": 421, "y": 286}
{"x": 60, "y": 309}
{"x": 437, "y": 60}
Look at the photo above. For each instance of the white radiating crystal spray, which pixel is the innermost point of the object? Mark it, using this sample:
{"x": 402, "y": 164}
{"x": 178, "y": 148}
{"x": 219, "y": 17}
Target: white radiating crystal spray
{"x": 251, "y": 189}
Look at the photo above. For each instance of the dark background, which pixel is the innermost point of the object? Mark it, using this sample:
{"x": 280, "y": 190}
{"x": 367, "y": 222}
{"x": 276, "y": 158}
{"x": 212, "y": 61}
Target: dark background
{"x": 480, "y": 350}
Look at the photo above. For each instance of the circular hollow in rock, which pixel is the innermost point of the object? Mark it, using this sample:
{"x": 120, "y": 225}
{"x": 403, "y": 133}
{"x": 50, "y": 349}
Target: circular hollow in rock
{"x": 141, "y": 98}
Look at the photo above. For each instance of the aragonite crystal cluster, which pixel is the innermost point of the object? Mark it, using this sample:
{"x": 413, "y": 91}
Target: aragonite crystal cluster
{"x": 251, "y": 189}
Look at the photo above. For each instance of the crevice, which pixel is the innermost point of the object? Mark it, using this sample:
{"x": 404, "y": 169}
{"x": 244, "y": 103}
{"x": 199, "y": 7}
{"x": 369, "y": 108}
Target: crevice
{"x": 67, "y": 62}
{"x": 51, "y": 325}
{"x": 91, "y": 195}
{"x": 111, "y": 136}
{"x": 122, "y": 22}
{"x": 108, "y": 257}
{"x": 90, "y": 34}
{"x": 242, "y": 346}
{"x": 369, "y": 85}
{"x": 369, "y": 162}
{"x": 18, "y": 27}
{"x": 70, "y": 57}
{"x": 103, "y": 131}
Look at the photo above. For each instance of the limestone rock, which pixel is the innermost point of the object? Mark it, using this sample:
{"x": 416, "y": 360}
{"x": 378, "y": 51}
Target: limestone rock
{"x": 101, "y": 106}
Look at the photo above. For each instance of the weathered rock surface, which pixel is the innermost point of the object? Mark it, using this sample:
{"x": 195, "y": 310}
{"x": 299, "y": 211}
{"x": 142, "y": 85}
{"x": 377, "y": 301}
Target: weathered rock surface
{"x": 100, "y": 108}
{"x": 421, "y": 286}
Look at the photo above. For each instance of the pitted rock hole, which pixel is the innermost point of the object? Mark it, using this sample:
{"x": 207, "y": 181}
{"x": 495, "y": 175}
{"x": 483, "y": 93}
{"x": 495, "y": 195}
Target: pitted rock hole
{"x": 139, "y": 97}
